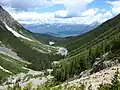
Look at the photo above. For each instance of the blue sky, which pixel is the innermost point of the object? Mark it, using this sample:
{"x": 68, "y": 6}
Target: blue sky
{"x": 61, "y": 11}
{"x": 101, "y": 4}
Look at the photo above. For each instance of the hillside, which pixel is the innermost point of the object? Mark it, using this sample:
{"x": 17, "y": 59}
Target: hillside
{"x": 80, "y": 40}
{"x": 45, "y": 38}
{"x": 18, "y": 46}
{"x": 84, "y": 49}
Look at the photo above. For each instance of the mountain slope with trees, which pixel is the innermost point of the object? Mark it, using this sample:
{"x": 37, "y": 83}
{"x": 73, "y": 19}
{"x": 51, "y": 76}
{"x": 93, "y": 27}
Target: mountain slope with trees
{"x": 16, "y": 39}
{"x": 84, "y": 50}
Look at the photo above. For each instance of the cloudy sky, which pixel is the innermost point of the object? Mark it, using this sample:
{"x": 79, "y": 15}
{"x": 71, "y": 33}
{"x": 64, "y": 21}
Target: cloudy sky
{"x": 61, "y": 11}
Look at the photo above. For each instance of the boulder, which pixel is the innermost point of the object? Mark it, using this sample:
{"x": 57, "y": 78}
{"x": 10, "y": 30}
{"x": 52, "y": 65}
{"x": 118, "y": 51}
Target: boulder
{"x": 100, "y": 65}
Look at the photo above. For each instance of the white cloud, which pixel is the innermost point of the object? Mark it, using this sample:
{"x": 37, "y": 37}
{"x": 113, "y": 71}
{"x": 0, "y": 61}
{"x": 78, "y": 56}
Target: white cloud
{"x": 72, "y": 7}
{"x": 90, "y": 12}
{"x": 25, "y": 4}
{"x": 74, "y": 12}
{"x": 61, "y": 14}
{"x": 87, "y": 17}
{"x": 32, "y": 17}
{"x": 115, "y": 6}
{"x": 70, "y": 14}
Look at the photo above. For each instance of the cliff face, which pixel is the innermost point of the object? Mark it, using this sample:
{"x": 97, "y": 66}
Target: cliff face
{"x": 7, "y": 18}
{"x": 100, "y": 65}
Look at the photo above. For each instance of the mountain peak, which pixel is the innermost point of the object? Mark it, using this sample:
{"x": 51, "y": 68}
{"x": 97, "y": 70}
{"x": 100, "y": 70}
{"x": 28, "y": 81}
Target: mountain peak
{"x": 0, "y": 6}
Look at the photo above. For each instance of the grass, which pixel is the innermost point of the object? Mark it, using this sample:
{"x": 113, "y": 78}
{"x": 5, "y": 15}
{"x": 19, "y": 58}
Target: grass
{"x": 12, "y": 65}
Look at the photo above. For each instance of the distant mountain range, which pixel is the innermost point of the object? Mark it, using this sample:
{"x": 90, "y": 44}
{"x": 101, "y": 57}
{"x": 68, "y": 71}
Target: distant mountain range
{"x": 61, "y": 30}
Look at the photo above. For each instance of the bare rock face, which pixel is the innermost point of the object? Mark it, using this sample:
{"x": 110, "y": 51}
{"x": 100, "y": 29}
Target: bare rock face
{"x": 97, "y": 67}
{"x": 7, "y": 18}
{"x": 100, "y": 65}
{"x": 85, "y": 73}
{"x": 103, "y": 62}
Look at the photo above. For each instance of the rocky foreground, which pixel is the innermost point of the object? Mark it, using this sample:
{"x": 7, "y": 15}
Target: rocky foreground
{"x": 102, "y": 73}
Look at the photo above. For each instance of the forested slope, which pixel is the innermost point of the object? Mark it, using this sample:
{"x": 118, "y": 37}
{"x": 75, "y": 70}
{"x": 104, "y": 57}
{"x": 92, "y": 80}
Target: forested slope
{"x": 84, "y": 50}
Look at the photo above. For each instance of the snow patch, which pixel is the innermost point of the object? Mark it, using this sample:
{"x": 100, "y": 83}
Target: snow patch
{"x": 15, "y": 33}
{"x": 51, "y": 43}
{"x": 63, "y": 51}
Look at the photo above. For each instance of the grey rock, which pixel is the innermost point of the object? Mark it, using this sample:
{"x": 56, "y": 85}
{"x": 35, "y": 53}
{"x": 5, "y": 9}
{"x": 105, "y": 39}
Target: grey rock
{"x": 100, "y": 65}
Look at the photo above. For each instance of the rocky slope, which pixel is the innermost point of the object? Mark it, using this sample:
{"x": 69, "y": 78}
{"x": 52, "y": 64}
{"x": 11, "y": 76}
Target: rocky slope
{"x": 102, "y": 72}
{"x": 94, "y": 80}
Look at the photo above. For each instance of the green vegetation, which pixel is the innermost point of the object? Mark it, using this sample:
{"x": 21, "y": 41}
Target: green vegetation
{"x": 74, "y": 65}
{"x": 98, "y": 33}
{"x": 24, "y": 50}
{"x": 84, "y": 50}
{"x": 3, "y": 76}
{"x": 47, "y": 86}
{"x": 44, "y": 38}
{"x": 38, "y": 55}
{"x": 12, "y": 65}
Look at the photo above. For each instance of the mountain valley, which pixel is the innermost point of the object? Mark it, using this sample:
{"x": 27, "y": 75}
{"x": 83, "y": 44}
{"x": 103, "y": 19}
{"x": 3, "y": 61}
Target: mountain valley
{"x": 33, "y": 61}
